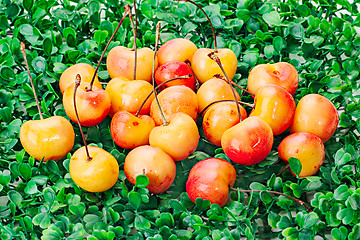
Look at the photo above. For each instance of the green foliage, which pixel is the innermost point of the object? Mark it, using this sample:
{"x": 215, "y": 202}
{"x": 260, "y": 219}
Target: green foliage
{"x": 40, "y": 201}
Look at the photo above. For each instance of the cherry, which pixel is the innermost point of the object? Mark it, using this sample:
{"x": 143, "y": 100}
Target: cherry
{"x": 213, "y": 90}
{"x": 92, "y": 168}
{"x": 172, "y": 100}
{"x": 275, "y": 106}
{"x": 86, "y": 72}
{"x": 130, "y": 131}
{"x": 179, "y": 138}
{"x": 210, "y": 179}
{"x": 175, "y": 69}
{"x": 97, "y": 174}
{"x": 93, "y": 106}
{"x": 178, "y": 49}
{"x": 45, "y": 139}
{"x": 153, "y": 162}
{"x": 282, "y": 73}
{"x": 317, "y": 114}
{"x": 120, "y": 62}
{"x": 305, "y": 146}
{"x": 128, "y": 95}
{"x": 218, "y": 118}
{"x": 248, "y": 142}
{"x": 205, "y": 68}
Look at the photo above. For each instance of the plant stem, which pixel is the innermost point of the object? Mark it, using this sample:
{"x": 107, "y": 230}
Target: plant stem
{"x": 212, "y": 28}
{"x": 157, "y": 87}
{"x": 308, "y": 209}
{"x": 214, "y": 57}
{"x": 77, "y": 84}
{"x": 165, "y": 123}
{"x": 225, "y": 100}
{"x": 127, "y": 11}
{"x": 134, "y": 26}
{"x": 31, "y": 81}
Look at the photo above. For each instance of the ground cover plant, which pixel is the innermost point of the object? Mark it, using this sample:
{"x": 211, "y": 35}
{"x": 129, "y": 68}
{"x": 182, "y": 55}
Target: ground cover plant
{"x": 39, "y": 200}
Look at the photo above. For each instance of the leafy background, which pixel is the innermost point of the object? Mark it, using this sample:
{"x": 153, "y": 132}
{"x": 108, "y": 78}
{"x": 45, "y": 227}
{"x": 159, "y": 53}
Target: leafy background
{"x": 40, "y": 201}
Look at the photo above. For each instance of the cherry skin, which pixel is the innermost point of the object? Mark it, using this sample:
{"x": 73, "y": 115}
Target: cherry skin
{"x": 305, "y": 146}
{"x": 178, "y": 49}
{"x": 128, "y": 95}
{"x": 86, "y": 72}
{"x": 121, "y": 60}
{"x": 275, "y": 106}
{"x": 153, "y": 162}
{"x": 172, "y": 100}
{"x": 98, "y": 174}
{"x": 178, "y": 139}
{"x": 210, "y": 179}
{"x": 175, "y": 69}
{"x": 213, "y": 90}
{"x": 129, "y": 131}
{"x": 317, "y": 114}
{"x": 248, "y": 142}
{"x": 92, "y": 106}
{"x": 50, "y": 138}
{"x": 205, "y": 68}
{"x": 281, "y": 73}
{"x": 220, "y": 117}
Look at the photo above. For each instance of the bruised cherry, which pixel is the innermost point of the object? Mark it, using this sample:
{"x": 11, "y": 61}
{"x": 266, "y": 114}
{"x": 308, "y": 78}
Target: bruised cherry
{"x": 305, "y": 146}
{"x": 153, "y": 162}
{"x": 210, "y": 179}
{"x": 218, "y": 118}
{"x": 248, "y": 142}
{"x": 130, "y": 131}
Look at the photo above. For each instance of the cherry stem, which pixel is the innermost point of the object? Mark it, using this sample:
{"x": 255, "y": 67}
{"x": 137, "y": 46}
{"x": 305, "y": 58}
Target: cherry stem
{"x": 212, "y": 28}
{"x": 225, "y": 100}
{"x": 77, "y": 84}
{"x": 127, "y": 11}
{"x": 278, "y": 193}
{"x": 157, "y": 87}
{"x": 283, "y": 170}
{"x": 214, "y": 57}
{"x": 134, "y": 26}
{"x": 31, "y": 81}
{"x": 165, "y": 123}
{"x": 234, "y": 83}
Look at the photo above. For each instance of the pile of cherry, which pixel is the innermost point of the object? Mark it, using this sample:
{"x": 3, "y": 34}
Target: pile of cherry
{"x": 161, "y": 128}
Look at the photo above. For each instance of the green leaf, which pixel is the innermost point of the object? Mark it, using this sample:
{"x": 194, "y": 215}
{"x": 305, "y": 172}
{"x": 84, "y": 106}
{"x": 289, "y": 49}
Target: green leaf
{"x": 7, "y": 73}
{"x": 134, "y": 199}
{"x": 295, "y": 165}
{"x": 78, "y": 209}
{"x": 279, "y": 44}
{"x": 339, "y": 233}
{"x": 31, "y": 188}
{"x": 15, "y": 197}
{"x": 39, "y": 64}
{"x": 141, "y": 222}
{"x": 42, "y": 219}
{"x": 345, "y": 215}
{"x": 142, "y": 181}
{"x": 310, "y": 220}
{"x": 28, "y": 4}
{"x": 25, "y": 170}
{"x": 272, "y": 18}
{"x": 355, "y": 233}
{"x": 47, "y": 46}
{"x": 100, "y": 36}
{"x": 341, "y": 193}
{"x": 257, "y": 186}
{"x": 188, "y": 27}
{"x": 341, "y": 158}
{"x": 53, "y": 167}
